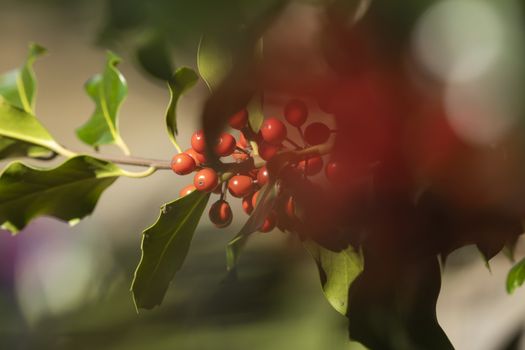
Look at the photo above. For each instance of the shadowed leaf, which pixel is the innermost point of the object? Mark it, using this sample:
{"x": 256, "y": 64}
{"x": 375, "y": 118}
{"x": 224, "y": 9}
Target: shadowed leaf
{"x": 183, "y": 79}
{"x": 165, "y": 245}
{"x": 263, "y": 207}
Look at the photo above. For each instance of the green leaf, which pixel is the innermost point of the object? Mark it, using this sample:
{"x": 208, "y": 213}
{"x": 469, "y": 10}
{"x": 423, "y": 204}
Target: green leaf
{"x": 154, "y": 55}
{"x": 393, "y": 303}
{"x": 108, "y": 90}
{"x": 338, "y": 270}
{"x": 18, "y": 88}
{"x": 68, "y": 192}
{"x": 255, "y": 112}
{"x": 183, "y": 79}
{"x": 165, "y": 245}
{"x": 516, "y": 276}
{"x": 16, "y": 124}
{"x": 214, "y": 61}
{"x": 264, "y": 205}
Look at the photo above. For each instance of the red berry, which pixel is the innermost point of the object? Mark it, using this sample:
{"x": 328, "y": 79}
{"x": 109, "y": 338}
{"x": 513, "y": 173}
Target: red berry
{"x": 295, "y": 112}
{"x": 316, "y": 133}
{"x": 247, "y": 205}
{"x": 220, "y": 213}
{"x": 262, "y": 176}
{"x": 311, "y": 166}
{"x": 333, "y": 171}
{"x": 197, "y": 157}
{"x": 206, "y": 180}
{"x": 269, "y": 223}
{"x": 182, "y": 164}
{"x": 225, "y": 145}
{"x": 240, "y": 185}
{"x": 267, "y": 151}
{"x": 242, "y": 141}
{"x": 254, "y": 199}
{"x": 186, "y": 190}
{"x": 239, "y": 119}
{"x": 197, "y": 142}
{"x": 273, "y": 131}
{"x": 289, "y": 208}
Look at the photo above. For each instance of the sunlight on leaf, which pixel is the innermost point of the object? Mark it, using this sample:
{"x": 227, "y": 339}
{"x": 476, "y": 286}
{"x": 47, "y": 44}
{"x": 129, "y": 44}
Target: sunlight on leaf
{"x": 108, "y": 90}
{"x": 67, "y": 192}
{"x": 338, "y": 270}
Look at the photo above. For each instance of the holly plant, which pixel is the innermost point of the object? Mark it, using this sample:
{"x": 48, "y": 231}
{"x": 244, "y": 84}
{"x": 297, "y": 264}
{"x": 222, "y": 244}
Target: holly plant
{"x": 336, "y": 180}
{"x": 263, "y": 167}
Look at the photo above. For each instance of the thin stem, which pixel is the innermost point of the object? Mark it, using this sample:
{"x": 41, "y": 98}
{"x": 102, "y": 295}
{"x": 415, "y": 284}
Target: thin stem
{"x": 293, "y": 143}
{"x": 300, "y": 130}
{"x": 140, "y": 174}
{"x": 128, "y": 160}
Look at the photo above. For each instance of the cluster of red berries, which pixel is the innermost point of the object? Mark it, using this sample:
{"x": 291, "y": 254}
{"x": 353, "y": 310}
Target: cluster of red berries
{"x": 269, "y": 141}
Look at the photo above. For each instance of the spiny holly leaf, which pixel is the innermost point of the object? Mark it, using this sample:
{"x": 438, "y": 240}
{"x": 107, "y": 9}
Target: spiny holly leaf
{"x": 68, "y": 192}
{"x": 338, "y": 270}
{"x": 264, "y": 205}
{"x": 183, "y": 79}
{"x": 516, "y": 276}
{"x": 213, "y": 61}
{"x": 18, "y": 88}
{"x": 165, "y": 245}
{"x": 18, "y": 125}
{"x": 108, "y": 90}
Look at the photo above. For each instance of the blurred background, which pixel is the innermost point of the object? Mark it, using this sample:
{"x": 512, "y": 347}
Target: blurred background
{"x": 67, "y": 287}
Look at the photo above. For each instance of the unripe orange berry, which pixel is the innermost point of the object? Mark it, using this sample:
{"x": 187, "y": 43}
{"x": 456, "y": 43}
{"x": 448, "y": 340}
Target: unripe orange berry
{"x": 186, "y": 190}
{"x": 239, "y": 119}
{"x": 206, "y": 180}
{"x": 220, "y": 213}
{"x": 182, "y": 164}
{"x": 240, "y": 185}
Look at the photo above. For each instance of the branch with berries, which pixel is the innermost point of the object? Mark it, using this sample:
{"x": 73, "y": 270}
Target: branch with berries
{"x": 259, "y": 167}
